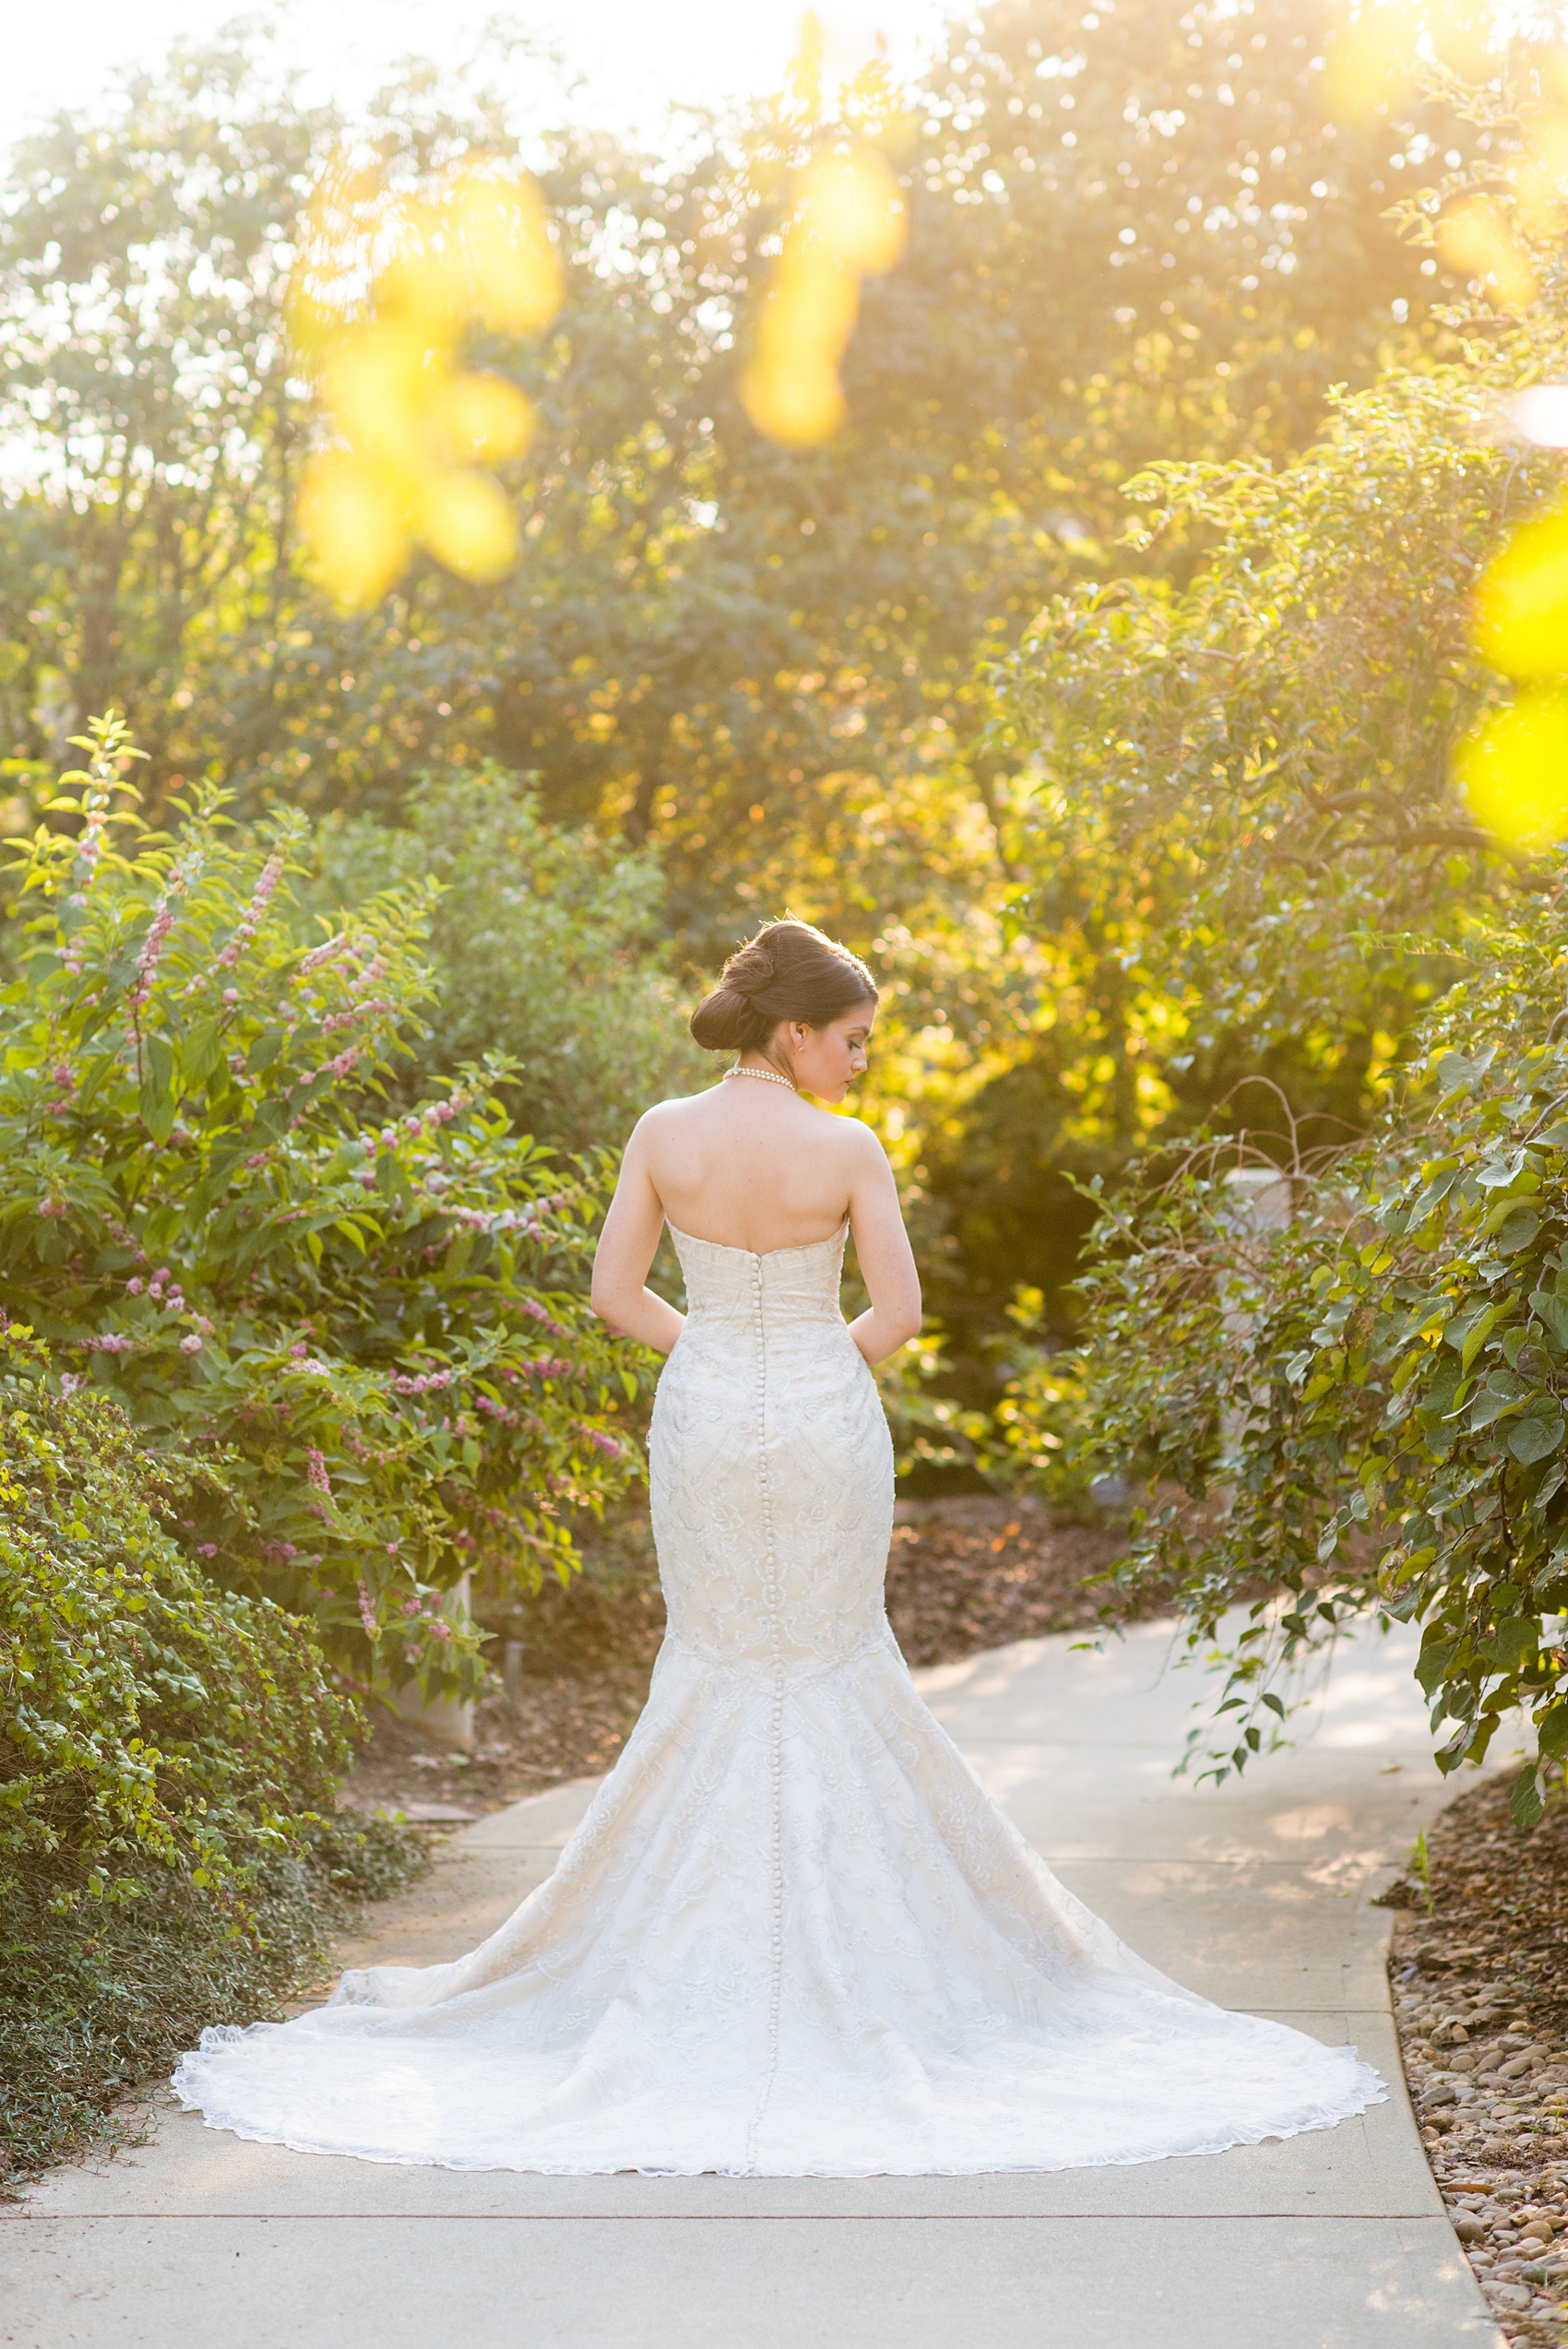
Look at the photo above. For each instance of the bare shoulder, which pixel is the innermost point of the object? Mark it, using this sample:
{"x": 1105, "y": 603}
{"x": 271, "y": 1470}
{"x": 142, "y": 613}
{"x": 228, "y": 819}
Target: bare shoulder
{"x": 674, "y": 1103}
{"x": 664, "y": 1115}
{"x": 860, "y": 1142}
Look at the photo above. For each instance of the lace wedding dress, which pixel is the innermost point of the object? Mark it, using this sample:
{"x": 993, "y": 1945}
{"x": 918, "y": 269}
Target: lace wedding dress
{"x": 793, "y": 1935}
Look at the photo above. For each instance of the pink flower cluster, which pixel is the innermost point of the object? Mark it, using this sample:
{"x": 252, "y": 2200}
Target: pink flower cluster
{"x": 600, "y": 1442}
{"x": 433, "y": 1624}
{"x": 523, "y": 1219}
{"x": 162, "y": 1289}
{"x": 367, "y": 1609}
{"x": 375, "y": 968}
{"x": 496, "y": 1411}
{"x": 90, "y": 847}
{"x": 535, "y": 1310}
{"x": 427, "y": 1382}
{"x": 152, "y": 945}
{"x": 507, "y": 1220}
{"x": 245, "y": 928}
{"x": 315, "y": 1472}
{"x": 437, "y": 1114}
{"x": 319, "y": 955}
{"x": 116, "y": 1343}
{"x": 335, "y": 1020}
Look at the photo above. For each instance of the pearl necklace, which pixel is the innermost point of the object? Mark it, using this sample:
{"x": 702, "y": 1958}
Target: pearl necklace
{"x": 768, "y": 1076}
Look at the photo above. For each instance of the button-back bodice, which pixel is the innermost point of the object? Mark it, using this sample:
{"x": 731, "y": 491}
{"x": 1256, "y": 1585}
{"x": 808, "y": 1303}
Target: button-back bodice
{"x": 770, "y": 1466}
{"x": 783, "y": 1285}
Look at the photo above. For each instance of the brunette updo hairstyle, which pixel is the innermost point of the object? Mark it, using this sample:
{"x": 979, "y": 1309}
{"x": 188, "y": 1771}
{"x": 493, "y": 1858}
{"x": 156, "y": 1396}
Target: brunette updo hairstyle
{"x": 788, "y": 971}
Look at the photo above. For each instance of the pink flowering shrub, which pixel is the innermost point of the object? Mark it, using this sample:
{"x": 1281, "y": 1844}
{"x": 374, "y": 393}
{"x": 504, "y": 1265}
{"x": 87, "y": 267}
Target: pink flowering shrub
{"x": 368, "y": 1328}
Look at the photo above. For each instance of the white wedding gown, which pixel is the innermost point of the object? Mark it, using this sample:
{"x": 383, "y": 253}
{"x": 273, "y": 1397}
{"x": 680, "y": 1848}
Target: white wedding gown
{"x": 793, "y": 1935}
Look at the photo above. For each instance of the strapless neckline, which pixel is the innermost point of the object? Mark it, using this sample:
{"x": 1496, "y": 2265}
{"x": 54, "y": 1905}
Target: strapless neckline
{"x": 759, "y": 1255}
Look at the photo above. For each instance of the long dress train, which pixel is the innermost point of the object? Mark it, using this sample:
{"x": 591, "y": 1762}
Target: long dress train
{"x": 793, "y": 1935}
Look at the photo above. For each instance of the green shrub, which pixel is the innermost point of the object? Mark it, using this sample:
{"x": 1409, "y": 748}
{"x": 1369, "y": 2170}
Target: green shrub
{"x": 1039, "y": 1439}
{"x": 168, "y": 1749}
{"x": 371, "y": 1325}
{"x": 96, "y": 2002}
{"x": 1379, "y": 1393}
{"x": 543, "y": 948}
{"x": 933, "y": 1435}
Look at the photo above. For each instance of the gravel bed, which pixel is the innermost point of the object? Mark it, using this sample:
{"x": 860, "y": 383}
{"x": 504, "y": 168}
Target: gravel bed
{"x": 963, "y": 1574}
{"x": 1480, "y": 1997}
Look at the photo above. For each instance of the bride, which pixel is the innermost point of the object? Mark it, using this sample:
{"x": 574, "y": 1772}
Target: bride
{"x": 793, "y": 1935}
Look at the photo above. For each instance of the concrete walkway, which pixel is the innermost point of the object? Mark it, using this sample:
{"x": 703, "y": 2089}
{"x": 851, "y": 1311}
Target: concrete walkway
{"x": 1257, "y": 1894}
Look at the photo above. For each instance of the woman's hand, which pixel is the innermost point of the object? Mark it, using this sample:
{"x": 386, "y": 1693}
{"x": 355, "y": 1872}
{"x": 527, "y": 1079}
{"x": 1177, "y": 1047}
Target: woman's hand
{"x": 626, "y": 1245}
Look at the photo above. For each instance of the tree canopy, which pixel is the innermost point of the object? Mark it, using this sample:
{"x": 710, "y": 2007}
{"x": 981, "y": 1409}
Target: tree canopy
{"x": 1133, "y": 235}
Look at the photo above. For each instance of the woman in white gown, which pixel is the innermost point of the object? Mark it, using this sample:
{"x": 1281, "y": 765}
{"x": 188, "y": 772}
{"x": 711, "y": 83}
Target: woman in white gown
{"x": 793, "y": 1935}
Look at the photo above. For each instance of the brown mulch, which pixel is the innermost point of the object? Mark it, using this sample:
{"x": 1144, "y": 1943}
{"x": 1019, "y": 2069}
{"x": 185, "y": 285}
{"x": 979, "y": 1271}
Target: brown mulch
{"x": 1480, "y": 1980}
{"x": 963, "y": 1574}
{"x": 976, "y": 1572}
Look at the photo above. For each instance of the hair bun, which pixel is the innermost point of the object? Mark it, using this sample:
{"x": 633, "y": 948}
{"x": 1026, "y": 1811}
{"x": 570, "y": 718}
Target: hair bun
{"x": 750, "y": 972}
{"x": 788, "y": 971}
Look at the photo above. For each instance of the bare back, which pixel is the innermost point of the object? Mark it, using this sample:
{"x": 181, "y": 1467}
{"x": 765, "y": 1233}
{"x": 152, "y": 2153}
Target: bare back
{"x": 752, "y": 1166}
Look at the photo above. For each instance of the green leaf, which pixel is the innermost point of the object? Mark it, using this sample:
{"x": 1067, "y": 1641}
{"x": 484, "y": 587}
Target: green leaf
{"x": 1490, "y": 1406}
{"x": 1553, "y": 1311}
{"x": 202, "y": 1051}
{"x": 1517, "y": 1231}
{"x": 159, "y": 1105}
{"x": 1466, "y": 1331}
{"x": 1532, "y": 1439}
{"x": 1528, "y": 1801}
{"x": 1456, "y": 1072}
{"x": 1435, "y": 1660}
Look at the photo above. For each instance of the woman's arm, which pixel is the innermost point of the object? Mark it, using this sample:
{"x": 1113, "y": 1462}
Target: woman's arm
{"x": 626, "y": 1247}
{"x": 885, "y": 1258}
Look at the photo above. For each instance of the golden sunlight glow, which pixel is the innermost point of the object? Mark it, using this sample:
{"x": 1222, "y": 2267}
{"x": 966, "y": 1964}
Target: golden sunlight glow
{"x": 1383, "y": 52}
{"x": 849, "y": 221}
{"x": 1514, "y": 770}
{"x": 1522, "y": 602}
{"x": 1371, "y": 62}
{"x": 412, "y": 423}
{"x": 1474, "y": 237}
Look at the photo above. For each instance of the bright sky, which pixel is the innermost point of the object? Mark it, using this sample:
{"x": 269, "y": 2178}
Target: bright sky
{"x": 634, "y": 58}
